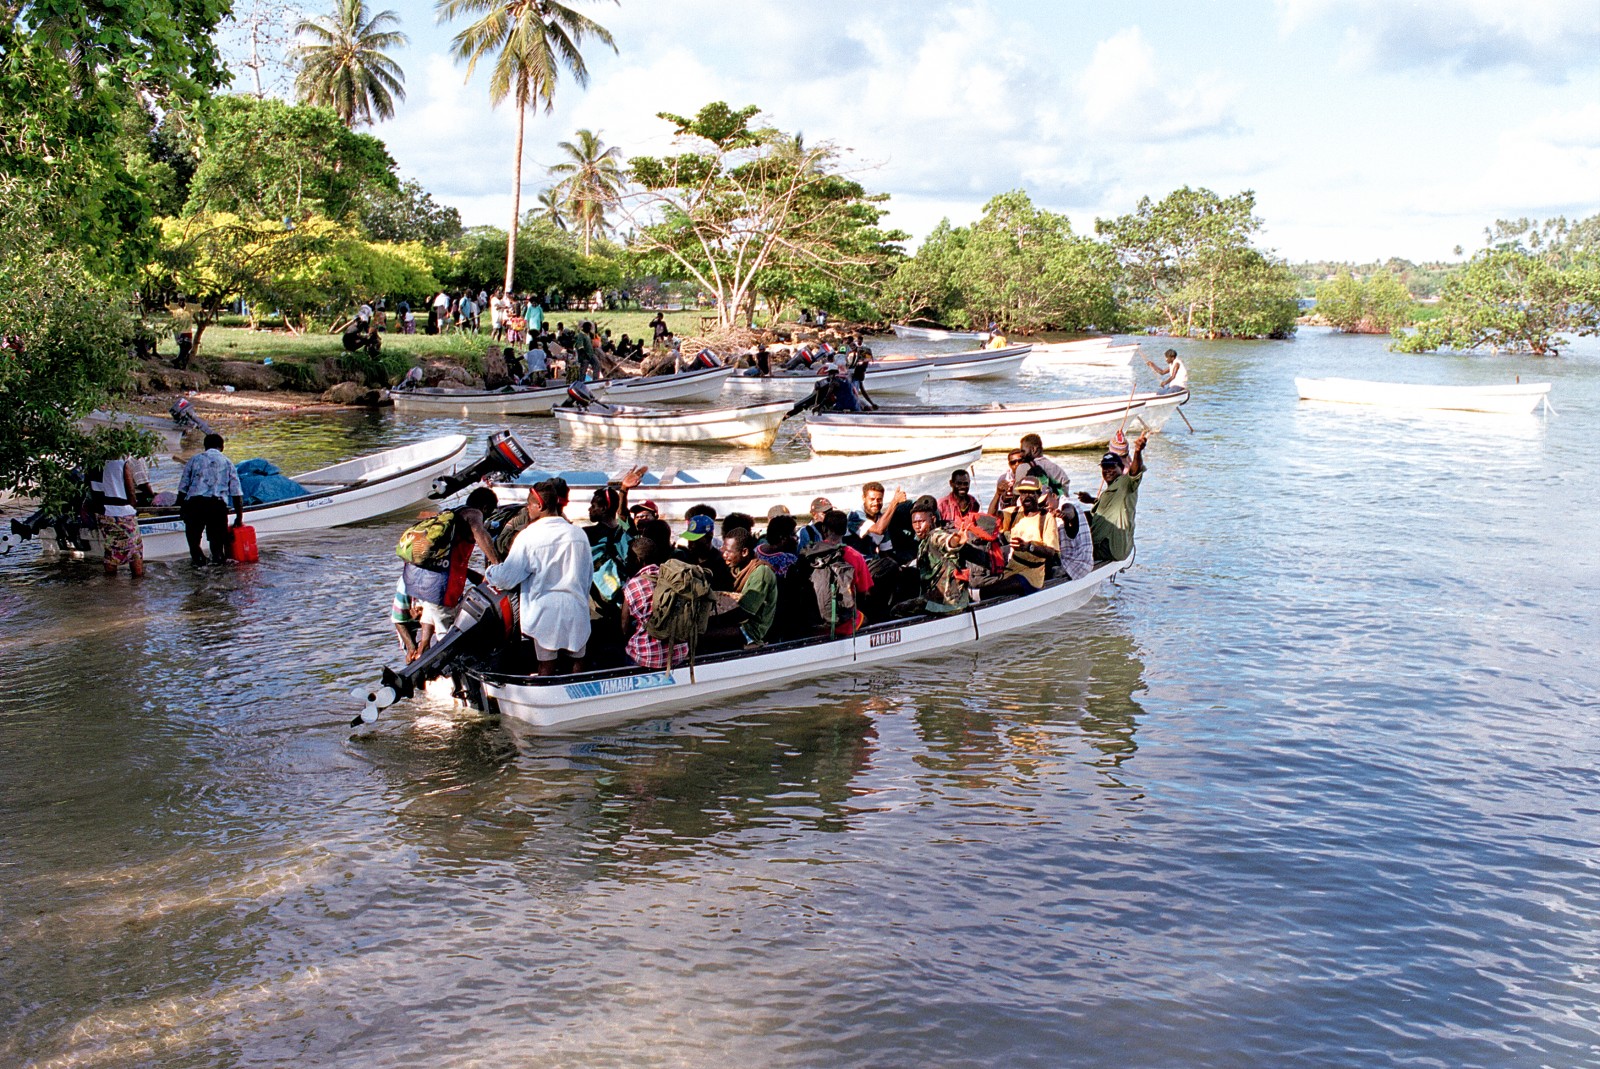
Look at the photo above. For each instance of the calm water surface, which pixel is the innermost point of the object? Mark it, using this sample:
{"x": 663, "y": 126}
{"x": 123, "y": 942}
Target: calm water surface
{"x": 1314, "y": 786}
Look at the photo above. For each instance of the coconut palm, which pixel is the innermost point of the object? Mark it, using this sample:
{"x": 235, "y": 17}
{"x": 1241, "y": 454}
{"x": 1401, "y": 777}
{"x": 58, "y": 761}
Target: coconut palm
{"x": 592, "y": 178}
{"x": 343, "y": 66}
{"x": 552, "y": 206}
{"x": 529, "y": 42}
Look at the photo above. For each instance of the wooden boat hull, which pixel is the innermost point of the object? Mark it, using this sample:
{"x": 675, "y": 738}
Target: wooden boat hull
{"x": 996, "y": 428}
{"x": 353, "y": 491}
{"x": 484, "y": 404}
{"x": 751, "y": 425}
{"x": 975, "y": 364}
{"x": 910, "y": 333}
{"x": 1517, "y": 399}
{"x": 1046, "y": 356}
{"x": 897, "y": 380}
{"x": 794, "y": 485}
{"x": 567, "y": 705}
{"x": 703, "y": 385}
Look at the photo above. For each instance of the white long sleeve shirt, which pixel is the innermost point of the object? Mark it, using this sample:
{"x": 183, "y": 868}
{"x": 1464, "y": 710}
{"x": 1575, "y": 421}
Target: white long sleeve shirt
{"x": 551, "y": 565}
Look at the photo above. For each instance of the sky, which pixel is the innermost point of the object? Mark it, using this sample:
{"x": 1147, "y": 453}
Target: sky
{"x": 1366, "y": 128}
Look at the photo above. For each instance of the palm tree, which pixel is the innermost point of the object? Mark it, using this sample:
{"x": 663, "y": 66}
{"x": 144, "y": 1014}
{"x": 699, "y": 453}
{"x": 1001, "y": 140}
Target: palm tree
{"x": 551, "y": 205}
{"x": 342, "y": 64}
{"x": 592, "y": 178}
{"x": 530, "y": 40}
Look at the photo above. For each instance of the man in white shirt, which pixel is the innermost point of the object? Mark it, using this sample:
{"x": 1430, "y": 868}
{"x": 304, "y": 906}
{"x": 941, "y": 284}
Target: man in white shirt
{"x": 551, "y": 564}
{"x": 1174, "y": 377}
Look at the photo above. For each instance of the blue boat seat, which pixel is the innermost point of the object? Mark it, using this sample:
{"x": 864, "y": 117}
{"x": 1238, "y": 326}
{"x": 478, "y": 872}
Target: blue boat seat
{"x": 529, "y": 476}
{"x": 585, "y": 478}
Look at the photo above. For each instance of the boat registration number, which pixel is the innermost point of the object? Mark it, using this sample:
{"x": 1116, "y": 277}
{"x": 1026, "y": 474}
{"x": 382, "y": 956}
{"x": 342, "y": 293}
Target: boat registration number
{"x": 884, "y": 638}
{"x": 317, "y": 503}
{"x": 600, "y": 688}
{"x": 147, "y": 529}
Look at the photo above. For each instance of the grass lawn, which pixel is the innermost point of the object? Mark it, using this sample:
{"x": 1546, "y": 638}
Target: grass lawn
{"x": 239, "y": 343}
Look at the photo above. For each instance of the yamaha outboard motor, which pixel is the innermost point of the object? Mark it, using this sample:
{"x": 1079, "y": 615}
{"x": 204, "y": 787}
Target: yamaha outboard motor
{"x": 184, "y": 415}
{"x": 506, "y": 455}
{"x": 580, "y": 396}
{"x": 486, "y": 621}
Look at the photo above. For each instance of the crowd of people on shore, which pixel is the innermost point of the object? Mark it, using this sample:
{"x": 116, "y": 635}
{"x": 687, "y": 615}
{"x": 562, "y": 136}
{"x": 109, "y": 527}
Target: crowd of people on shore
{"x": 627, "y": 589}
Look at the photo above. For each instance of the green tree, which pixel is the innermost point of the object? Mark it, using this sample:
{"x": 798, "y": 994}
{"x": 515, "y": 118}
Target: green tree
{"x": 591, "y": 178}
{"x": 927, "y": 286}
{"x": 343, "y": 65}
{"x": 548, "y": 262}
{"x": 1377, "y": 304}
{"x": 265, "y": 159}
{"x": 552, "y": 207}
{"x": 741, "y": 202}
{"x": 407, "y": 214}
{"x": 530, "y": 41}
{"x": 1509, "y": 299}
{"x": 1183, "y": 255}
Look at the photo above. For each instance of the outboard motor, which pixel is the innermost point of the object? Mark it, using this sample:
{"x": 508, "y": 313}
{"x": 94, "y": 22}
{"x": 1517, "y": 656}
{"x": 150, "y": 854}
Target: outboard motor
{"x": 580, "y": 396}
{"x": 486, "y": 622}
{"x": 704, "y": 360}
{"x": 506, "y": 455}
{"x": 184, "y": 415}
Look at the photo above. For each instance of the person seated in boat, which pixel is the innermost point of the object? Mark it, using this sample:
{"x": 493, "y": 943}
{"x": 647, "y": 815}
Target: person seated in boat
{"x": 643, "y": 511}
{"x": 607, "y": 346}
{"x": 760, "y": 363}
{"x": 873, "y": 532}
{"x": 1053, "y": 481}
{"x": 699, "y": 547}
{"x": 943, "y": 579}
{"x": 832, "y": 393}
{"x": 959, "y": 502}
{"x": 514, "y": 365}
{"x": 552, "y": 568}
{"x": 1077, "y": 541}
{"x": 811, "y": 533}
{"x": 1034, "y": 535}
{"x": 868, "y": 526}
{"x": 996, "y": 341}
{"x": 649, "y": 549}
{"x": 538, "y": 366}
{"x": 437, "y": 589}
{"x": 1112, "y": 517}
{"x": 738, "y": 521}
{"x": 778, "y": 548}
{"x": 609, "y": 531}
{"x": 1174, "y": 376}
{"x": 987, "y": 559}
{"x": 838, "y": 580}
{"x": 747, "y": 609}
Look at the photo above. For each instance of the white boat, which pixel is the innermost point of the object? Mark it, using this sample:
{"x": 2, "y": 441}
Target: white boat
{"x": 748, "y": 425}
{"x": 1049, "y": 356}
{"x": 909, "y": 333}
{"x": 565, "y": 703}
{"x": 755, "y": 488}
{"x": 512, "y": 401}
{"x": 349, "y": 492}
{"x": 1510, "y": 399}
{"x": 797, "y": 384}
{"x": 972, "y": 364}
{"x": 168, "y": 433}
{"x": 1079, "y": 424}
{"x": 704, "y": 384}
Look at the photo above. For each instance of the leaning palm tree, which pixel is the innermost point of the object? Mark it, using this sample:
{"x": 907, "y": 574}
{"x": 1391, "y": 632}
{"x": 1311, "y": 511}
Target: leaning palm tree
{"x": 592, "y": 178}
{"x": 342, "y": 64}
{"x": 552, "y": 206}
{"x": 530, "y": 41}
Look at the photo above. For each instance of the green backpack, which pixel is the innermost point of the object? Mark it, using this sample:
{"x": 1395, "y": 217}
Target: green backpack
{"x": 426, "y": 543}
{"x": 681, "y": 607}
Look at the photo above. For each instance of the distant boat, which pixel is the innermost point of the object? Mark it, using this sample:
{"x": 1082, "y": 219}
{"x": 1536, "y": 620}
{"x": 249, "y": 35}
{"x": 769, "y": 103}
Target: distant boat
{"x": 1061, "y": 424}
{"x": 909, "y": 333}
{"x": 972, "y": 364}
{"x": 1071, "y": 354}
{"x": 881, "y": 379}
{"x": 1511, "y": 399}
{"x": 704, "y": 384}
{"x": 511, "y": 401}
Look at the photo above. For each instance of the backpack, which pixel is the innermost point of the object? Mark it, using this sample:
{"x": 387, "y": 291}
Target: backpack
{"x": 681, "y": 607}
{"x": 833, "y": 582}
{"x": 427, "y": 542}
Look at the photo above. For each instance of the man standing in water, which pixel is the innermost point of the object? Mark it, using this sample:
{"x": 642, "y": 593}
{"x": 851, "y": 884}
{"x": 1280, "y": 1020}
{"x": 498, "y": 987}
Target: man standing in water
{"x": 1111, "y": 519}
{"x": 119, "y": 521}
{"x": 208, "y": 482}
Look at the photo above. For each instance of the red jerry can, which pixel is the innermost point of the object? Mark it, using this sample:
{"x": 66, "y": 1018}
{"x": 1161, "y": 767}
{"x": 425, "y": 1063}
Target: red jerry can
{"x": 243, "y": 548}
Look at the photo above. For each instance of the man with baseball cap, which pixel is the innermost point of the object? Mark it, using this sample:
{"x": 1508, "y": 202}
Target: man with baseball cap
{"x": 645, "y": 510}
{"x": 811, "y": 533}
{"x": 1111, "y": 518}
{"x": 698, "y": 548}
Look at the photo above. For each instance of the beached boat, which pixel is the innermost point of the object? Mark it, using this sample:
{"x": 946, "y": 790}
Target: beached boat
{"x": 485, "y": 404}
{"x": 755, "y": 488}
{"x": 797, "y": 384}
{"x": 1509, "y": 399}
{"x": 749, "y": 425}
{"x": 972, "y": 364}
{"x": 1073, "y": 355}
{"x": 564, "y": 703}
{"x": 1079, "y": 424}
{"x": 910, "y": 333}
{"x": 704, "y": 384}
{"x": 349, "y": 492}
{"x": 168, "y": 434}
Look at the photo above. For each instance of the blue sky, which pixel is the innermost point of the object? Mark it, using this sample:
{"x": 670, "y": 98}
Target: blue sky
{"x": 1367, "y": 128}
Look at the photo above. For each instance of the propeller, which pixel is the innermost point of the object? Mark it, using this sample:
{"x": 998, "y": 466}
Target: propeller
{"x": 373, "y": 699}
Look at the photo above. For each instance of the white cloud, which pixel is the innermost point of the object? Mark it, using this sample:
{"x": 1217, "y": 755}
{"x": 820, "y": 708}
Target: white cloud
{"x": 1125, "y": 98}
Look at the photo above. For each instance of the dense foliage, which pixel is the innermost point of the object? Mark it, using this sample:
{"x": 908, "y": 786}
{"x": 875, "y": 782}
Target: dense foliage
{"x": 1509, "y": 299}
{"x": 1376, "y": 304}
